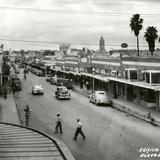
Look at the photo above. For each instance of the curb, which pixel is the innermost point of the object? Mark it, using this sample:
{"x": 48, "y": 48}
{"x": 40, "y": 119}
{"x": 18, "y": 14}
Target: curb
{"x": 134, "y": 113}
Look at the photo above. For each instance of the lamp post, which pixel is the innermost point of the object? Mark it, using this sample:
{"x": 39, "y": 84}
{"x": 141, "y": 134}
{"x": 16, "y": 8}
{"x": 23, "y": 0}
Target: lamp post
{"x": 2, "y": 61}
{"x": 93, "y": 71}
{"x": 124, "y": 46}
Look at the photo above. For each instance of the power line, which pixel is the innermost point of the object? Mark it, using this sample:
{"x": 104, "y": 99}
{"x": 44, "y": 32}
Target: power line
{"x": 54, "y": 42}
{"x": 76, "y": 12}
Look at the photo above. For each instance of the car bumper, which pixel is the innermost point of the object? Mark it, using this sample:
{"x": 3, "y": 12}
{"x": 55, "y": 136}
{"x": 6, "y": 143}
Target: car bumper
{"x": 103, "y": 102}
{"x": 37, "y": 92}
{"x": 63, "y": 97}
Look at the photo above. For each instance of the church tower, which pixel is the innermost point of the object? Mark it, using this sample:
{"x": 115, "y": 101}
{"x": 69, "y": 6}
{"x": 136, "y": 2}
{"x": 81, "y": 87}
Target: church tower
{"x": 101, "y": 45}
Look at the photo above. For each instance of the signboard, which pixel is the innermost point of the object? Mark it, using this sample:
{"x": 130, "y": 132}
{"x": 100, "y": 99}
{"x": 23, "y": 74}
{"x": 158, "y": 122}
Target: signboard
{"x": 124, "y": 45}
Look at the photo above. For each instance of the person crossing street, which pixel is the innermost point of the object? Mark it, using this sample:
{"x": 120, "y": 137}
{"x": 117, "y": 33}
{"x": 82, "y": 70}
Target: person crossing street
{"x": 58, "y": 124}
{"x": 79, "y": 130}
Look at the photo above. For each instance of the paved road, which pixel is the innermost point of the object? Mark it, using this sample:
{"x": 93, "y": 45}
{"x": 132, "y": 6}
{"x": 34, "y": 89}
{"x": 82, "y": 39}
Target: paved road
{"x": 109, "y": 134}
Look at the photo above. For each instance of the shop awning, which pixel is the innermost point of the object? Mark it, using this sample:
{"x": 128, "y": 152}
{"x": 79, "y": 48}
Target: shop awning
{"x": 136, "y": 83}
{"x": 99, "y": 77}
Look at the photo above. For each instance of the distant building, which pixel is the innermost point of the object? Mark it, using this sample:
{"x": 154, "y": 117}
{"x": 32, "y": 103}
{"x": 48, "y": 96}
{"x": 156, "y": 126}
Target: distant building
{"x": 102, "y": 45}
{"x": 64, "y": 48}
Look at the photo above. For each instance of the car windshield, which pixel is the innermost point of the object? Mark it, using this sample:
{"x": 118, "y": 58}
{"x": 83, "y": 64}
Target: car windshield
{"x": 101, "y": 94}
{"x": 62, "y": 89}
{"x": 38, "y": 86}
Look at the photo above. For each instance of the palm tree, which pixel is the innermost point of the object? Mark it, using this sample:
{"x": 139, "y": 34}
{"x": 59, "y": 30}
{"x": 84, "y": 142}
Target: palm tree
{"x": 136, "y": 26}
{"x": 151, "y": 36}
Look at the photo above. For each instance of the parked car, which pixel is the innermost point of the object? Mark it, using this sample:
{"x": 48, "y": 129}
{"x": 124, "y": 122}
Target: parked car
{"x": 37, "y": 89}
{"x": 99, "y": 97}
{"x": 16, "y": 84}
{"x": 48, "y": 79}
{"x": 53, "y": 80}
{"x": 62, "y": 93}
{"x": 17, "y": 70}
{"x": 61, "y": 82}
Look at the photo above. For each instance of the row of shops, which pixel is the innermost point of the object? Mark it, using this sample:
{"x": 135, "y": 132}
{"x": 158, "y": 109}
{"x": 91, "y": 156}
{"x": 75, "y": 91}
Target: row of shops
{"x": 136, "y": 92}
{"x": 132, "y": 79}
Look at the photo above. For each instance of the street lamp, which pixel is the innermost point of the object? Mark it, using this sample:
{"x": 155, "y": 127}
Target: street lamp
{"x": 93, "y": 71}
{"x": 124, "y": 46}
{"x": 1, "y": 47}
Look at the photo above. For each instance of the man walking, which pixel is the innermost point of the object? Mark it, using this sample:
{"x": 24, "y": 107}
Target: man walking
{"x": 79, "y": 130}
{"x": 59, "y": 124}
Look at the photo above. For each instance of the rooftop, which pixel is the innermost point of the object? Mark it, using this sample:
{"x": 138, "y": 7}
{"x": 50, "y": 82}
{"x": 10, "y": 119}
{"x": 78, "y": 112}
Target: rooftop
{"x": 18, "y": 142}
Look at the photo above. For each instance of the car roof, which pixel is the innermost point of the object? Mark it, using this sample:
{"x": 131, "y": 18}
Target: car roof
{"x": 62, "y": 87}
{"x": 98, "y": 92}
{"x": 37, "y": 85}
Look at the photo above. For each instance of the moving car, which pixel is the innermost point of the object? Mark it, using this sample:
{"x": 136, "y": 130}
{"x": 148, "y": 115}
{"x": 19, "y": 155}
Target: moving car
{"x": 37, "y": 89}
{"x": 62, "y": 93}
{"x": 99, "y": 97}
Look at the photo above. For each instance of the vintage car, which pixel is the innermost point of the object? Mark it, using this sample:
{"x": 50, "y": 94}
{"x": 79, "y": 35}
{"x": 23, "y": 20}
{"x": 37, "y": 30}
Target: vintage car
{"x": 48, "y": 79}
{"x": 99, "y": 97}
{"x": 61, "y": 82}
{"x": 62, "y": 93}
{"x": 37, "y": 89}
{"x": 16, "y": 83}
{"x": 53, "y": 80}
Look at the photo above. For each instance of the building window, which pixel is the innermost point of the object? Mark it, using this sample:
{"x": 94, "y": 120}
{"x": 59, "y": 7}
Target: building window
{"x": 126, "y": 74}
{"x": 155, "y": 77}
{"x": 147, "y": 78}
{"x": 133, "y": 74}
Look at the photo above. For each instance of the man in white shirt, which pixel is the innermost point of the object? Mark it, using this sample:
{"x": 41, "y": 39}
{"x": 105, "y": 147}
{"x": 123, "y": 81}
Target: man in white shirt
{"x": 59, "y": 123}
{"x": 79, "y": 130}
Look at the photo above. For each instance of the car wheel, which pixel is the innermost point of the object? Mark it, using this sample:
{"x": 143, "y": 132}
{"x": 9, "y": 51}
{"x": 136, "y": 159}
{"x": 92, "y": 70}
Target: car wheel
{"x": 96, "y": 103}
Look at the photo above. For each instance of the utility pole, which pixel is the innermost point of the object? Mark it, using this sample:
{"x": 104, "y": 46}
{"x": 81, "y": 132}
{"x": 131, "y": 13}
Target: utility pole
{"x": 1, "y": 47}
{"x": 93, "y": 72}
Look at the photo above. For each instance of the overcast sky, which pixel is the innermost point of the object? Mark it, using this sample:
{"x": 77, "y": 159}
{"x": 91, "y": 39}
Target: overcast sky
{"x": 74, "y": 21}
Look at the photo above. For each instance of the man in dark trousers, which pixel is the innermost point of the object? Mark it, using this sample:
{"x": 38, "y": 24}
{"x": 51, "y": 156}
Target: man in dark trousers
{"x": 59, "y": 123}
{"x": 79, "y": 130}
{"x": 27, "y": 114}
{"x": 5, "y": 92}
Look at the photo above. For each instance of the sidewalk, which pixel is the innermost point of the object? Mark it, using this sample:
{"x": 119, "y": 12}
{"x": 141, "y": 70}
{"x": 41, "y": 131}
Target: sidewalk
{"x": 8, "y": 111}
{"x": 128, "y": 107}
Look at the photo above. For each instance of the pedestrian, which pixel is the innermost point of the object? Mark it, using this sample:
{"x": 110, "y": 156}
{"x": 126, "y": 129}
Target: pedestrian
{"x": 27, "y": 114}
{"x": 5, "y": 92}
{"x": 87, "y": 85}
{"x": 71, "y": 81}
{"x": 79, "y": 130}
{"x": 58, "y": 123}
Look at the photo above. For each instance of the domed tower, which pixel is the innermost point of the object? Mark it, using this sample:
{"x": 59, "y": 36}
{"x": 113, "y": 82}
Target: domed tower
{"x": 101, "y": 45}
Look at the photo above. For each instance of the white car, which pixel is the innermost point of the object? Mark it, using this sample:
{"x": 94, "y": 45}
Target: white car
{"x": 37, "y": 89}
{"x": 99, "y": 97}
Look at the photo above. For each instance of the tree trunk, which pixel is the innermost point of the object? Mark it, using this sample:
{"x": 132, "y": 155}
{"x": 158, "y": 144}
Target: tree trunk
{"x": 137, "y": 46}
{"x": 151, "y": 53}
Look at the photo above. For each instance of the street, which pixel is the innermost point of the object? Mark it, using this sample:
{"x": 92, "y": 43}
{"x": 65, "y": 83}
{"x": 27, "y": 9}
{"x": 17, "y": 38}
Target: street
{"x": 110, "y": 134}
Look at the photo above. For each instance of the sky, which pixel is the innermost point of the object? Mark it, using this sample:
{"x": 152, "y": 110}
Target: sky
{"x": 78, "y": 22}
